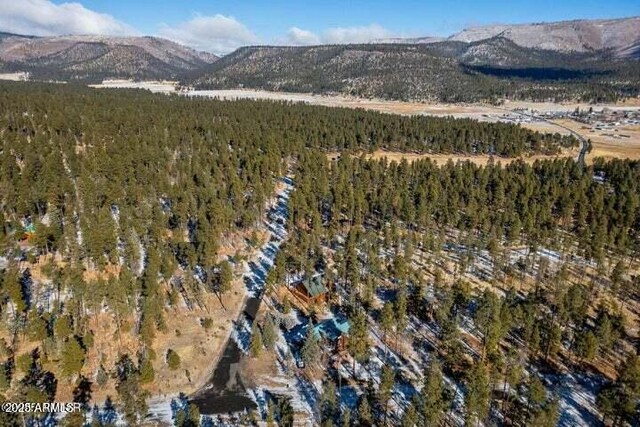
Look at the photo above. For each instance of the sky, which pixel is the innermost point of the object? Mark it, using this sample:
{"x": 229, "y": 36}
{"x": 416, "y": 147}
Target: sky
{"x": 222, "y": 26}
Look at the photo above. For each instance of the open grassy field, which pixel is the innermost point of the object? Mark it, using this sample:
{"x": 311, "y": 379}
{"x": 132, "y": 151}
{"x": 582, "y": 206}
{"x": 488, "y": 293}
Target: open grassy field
{"x": 382, "y": 105}
{"x": 607, "y": 143}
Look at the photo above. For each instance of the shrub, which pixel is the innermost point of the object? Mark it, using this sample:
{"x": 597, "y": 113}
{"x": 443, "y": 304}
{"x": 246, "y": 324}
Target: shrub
{"x": 207, "y": 323}
{"x": 173, "y": 359}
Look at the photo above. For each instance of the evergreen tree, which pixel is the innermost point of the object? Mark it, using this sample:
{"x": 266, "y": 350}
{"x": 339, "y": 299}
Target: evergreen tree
{"x": 173, "y": 359}
{"x": 477, "y": 394}
{"x": 410, "y": 416}
{"x": 328, "y": 402}
{"x": 132, "y": 396}
{"x": 387, "y": 320}
{"x": 310, "y": 352}
{"x": 385, "y": 389}
{"x": 432, "y": 396}
{"x": 365, "y": 417}
{"x": 72, "y": 357}
{"x": 226, "y": 277}
{"x": 358, "y": 343}
{"x": 618, "y": 401}
{"x": 269, "y": 333}
{"x": 255, "y": 346}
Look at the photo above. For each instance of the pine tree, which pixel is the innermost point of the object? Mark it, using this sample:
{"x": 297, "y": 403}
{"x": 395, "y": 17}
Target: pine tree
{"x": 387, "y": 320}
{"x": 432, "y": 402}
{"x": 147, "y": 373}
{"x": 310, "y": 352}
{"x": 269, "y": 333}
{"x": 286, "y": 306}
{"x": 328, "y": 401}
{"x": 586, "y": 344}
{"x": 12, "y": 284}
{"x": 401, "y": 314}
{"x": 548, "y": 416}
{"x": 617, "y": 275}
{"x": 255, "y": 346}
{"x": 489, "y": 322}
{"x": 365, "y": 417}
{"x": 132, "y": 396}
{"x": 619, "y": 401}
{"x": 270, "y": 414}
{"x": 37, "y": 327}
{"x": 173, "y": 359}
{"x": 72, "y": 357}
{"x": 410, "y": 416}
{"x": 286, "y": 412}
{"x": 536, "y": 395}
{"x": 477, "y": 394}
{"x": 358, "y": 343}
{"x": 345, "y": 418}
{"x": 385, "y": 389}
{"x": 226, "y": 277}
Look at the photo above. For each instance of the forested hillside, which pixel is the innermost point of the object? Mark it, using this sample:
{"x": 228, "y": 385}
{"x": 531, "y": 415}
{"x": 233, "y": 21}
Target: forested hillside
{"x": 516, "y": 287}
{"x": 114, "y": 205}
{"x": 95, "y": 58}
{"x": 79, "y": 163}
{"x": 449, "y": 71}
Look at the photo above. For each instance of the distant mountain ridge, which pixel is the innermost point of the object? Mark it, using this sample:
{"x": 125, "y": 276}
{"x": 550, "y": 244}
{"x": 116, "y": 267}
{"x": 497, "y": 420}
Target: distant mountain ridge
{"x": 451, "y": 71}
{"x": 97, "y": 57}
{"x": 622, "y": 36}
{"x": 619, "y": 35}
{"x": 583, "y": 60}
{"x": 411, "y": 40}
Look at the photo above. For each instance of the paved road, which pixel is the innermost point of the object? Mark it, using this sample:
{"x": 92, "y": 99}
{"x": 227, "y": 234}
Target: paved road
{"x": 585, "y": 143}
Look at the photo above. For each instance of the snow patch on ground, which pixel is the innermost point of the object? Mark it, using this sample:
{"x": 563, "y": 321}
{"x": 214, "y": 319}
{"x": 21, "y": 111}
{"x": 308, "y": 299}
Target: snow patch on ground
{"x": 275, "y": 223}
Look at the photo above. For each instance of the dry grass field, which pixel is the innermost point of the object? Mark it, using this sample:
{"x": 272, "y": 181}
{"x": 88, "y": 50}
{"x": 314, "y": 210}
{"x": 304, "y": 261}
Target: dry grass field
{"x": 609, "y": 143}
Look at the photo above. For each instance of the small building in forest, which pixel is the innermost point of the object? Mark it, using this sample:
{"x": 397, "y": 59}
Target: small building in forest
{"x": 29, "y": 229}
{"x": 333, "y": 331}
{"x": 311, "y": 290}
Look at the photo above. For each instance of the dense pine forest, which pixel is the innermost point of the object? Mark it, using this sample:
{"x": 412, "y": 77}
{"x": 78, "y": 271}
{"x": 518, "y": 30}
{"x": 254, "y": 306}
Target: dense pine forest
{"x": 501, "y": 279}
{"x": 491, "y": 280}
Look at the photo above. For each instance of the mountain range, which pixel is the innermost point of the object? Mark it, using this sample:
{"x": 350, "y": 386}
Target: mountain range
{"x": 587, "y": 60}
{"x": 622, "y": 36}
{"x": 590, "y": 60}
{"x": 450, "y": 71}
{"x": 93, "y": 58}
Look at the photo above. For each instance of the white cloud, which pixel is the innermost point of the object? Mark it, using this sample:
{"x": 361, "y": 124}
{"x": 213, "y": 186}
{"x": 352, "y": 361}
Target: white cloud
{"x": 218, "y": 34}
{"x": 298, "y": 36}
{"x": 336, "y": 35}
{"x": 44, "y": 18}
{"x": 343, "y": 35}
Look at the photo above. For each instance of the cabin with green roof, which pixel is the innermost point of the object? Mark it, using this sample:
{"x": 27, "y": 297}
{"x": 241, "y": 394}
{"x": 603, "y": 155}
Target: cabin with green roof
{"x": 311, "y": 290}
{"x": 334, "y": 331}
